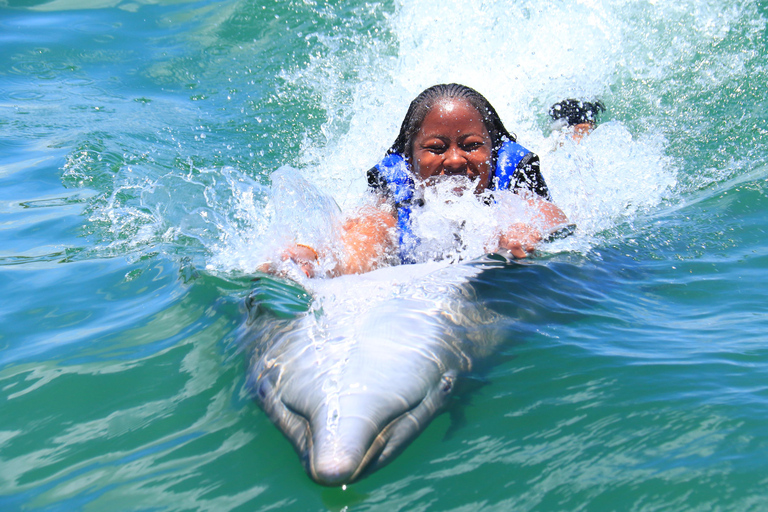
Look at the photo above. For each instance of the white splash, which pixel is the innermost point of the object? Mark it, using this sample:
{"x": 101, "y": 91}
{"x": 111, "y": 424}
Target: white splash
{"x": 523, "y": 57}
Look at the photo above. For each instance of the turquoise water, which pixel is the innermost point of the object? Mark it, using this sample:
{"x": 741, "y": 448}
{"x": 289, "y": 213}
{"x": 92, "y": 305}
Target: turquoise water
{"x": 136, "y": 144}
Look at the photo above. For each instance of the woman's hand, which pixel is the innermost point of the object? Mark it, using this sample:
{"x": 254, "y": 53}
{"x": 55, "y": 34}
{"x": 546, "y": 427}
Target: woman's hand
{"x": 520, "y": 239}
{"x": 304, "y": 256}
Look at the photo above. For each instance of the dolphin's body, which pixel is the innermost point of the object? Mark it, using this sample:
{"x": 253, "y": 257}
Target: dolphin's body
{"x": 357, "y": 377}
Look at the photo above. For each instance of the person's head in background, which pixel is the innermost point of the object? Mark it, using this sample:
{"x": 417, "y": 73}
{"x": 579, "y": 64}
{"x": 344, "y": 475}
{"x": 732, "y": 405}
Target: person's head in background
{"x": 578, "y": 115}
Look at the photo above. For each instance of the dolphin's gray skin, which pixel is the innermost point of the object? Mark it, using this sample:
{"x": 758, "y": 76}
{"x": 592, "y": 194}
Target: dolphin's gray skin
{"x": 352, "y": 381}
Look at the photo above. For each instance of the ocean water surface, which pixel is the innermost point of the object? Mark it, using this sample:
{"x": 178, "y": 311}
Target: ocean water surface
{"x": 138, "y": 140}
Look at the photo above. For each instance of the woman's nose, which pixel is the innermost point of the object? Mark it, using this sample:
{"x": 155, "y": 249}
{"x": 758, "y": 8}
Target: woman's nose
{"x": 455, "y": 160}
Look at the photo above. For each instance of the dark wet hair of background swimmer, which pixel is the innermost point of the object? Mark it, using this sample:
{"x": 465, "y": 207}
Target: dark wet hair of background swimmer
{"x": 577, "y": 111}
{"x": 424, "y": 102}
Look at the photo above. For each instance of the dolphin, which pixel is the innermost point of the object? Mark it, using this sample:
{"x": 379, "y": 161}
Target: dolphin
{"x": 357, "y": 375}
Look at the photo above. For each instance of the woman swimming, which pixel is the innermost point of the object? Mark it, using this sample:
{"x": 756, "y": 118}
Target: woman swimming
{"x": 450, "y": 132}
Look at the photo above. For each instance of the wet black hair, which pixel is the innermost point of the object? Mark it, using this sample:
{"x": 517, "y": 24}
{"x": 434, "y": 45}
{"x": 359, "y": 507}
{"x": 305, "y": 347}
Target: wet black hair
{"x": 423, "y": 104}
{"x": 577, "y": 111}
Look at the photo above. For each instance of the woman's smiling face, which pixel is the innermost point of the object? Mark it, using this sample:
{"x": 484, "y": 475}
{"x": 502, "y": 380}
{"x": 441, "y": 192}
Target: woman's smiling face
{"x": 453, "y": 141}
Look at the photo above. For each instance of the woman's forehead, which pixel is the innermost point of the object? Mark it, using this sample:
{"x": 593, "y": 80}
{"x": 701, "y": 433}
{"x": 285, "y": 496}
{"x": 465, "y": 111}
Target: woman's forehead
{"x": 449, "y": 105}
{"x": 453, "y": 111}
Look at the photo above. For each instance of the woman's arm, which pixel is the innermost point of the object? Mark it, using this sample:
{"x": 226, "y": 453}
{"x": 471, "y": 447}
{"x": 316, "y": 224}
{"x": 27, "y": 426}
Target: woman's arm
{"x": 367, "y": 241}
{"x": 521, "y": 238}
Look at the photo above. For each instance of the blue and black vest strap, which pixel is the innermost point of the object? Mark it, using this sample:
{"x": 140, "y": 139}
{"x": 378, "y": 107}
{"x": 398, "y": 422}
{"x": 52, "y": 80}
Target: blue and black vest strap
{"x": 392, "y": 178}
{"x": 518, "y": 169}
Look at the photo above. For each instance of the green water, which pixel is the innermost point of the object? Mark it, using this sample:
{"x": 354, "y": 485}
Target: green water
{"x": 136, "y": 144}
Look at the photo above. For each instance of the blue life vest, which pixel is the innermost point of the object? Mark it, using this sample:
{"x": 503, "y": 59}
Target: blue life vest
{"x": 393, "y": 173}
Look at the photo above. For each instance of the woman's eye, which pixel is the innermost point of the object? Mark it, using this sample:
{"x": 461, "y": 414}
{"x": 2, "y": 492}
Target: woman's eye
{"x": 471, "y": 146}
{"x": 436, "y": 148}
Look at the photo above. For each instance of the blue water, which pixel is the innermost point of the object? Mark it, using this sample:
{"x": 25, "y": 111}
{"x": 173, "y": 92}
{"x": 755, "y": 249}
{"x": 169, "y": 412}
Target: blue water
{"x": 137, "y": 141}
